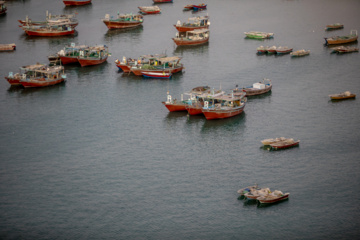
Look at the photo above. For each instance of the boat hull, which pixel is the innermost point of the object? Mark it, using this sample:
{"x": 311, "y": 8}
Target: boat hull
{"x": 211, "y": 114}
{"x": 342, "y": 97}
{"x": 121, "y": 24}
{"x": 162, "y": 1}
{"x": 7, "y": 47}
{"x": 276, "y": 147}
{"x": 124, "y": 67}
{"x": 13, "y": 81}
{"x": 49, "y": 33}
{"x": 254, "y": 92}
{"x": 330, "y": 41}
{"x": 139, "y": 71}
{"x": 189, "y": 28}
{"x": 175, "y": 107}
{"x": 90, "y": 62}
{"x": 186, "y": 42}
{"x": 68, "y": 60}
{"x": 156, "y": 75}
{"x": 76, "y": 3}
{"x": 269, "y": 201}
{"x": 41, "y": 82}
{"x": 193, "y": 110}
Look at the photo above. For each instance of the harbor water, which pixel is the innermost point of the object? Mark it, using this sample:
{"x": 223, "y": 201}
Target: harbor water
{"x": 100, "y": 157}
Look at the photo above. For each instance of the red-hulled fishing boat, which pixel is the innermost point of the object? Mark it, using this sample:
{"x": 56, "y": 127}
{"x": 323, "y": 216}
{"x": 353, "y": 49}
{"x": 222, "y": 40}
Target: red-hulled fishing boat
{"x": 159, "y": 65}
{"x": 224, "y": 106}
{"x": 25, "y": 72}
{"x": 194, "y": 37}
{"x": 174, "y": 106}
{"x": 196, "y": 104}
{"x": 126, "y": 64}
{"x": 193, "y": 23}
{"x": 76, "y": 2}
{"x": 93, "y": 55}
{"x": 123, "y": 21}
{"x": 70, "y": 54}
{"x": 48, "y": 31}
{"x": 43, "y": 77}
{"x": 150, "y": 10}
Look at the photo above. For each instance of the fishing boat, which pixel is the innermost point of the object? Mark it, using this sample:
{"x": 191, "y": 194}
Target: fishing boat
{"x": 268, "y": 141}
{"x": 174, "y": 106}
{"x": 248, "y": 189}
{"x": 123, "y": 21}
{"x": 150, "y": 10}
{"x": 159, "y": 65}
{"x": 254, "y": 193}
{"x": 127, "y": 63}
{"x": 300, "y": 53}
{"x": 24, "y": 73}
{"x": 258, "y": 35}
{"x": 196, "y": 104}
{"x": 54, "y": 20}
{"x": 352, "y": 37}
{"x": 7, "y": 47}
{"x": 194, "y": 37}
{"x": 224, "y": 106}
{"x": 3, "y": 7}
{"x": 344, "y": 49}
{"x": 71, "y": 53}
{"x": 157, "y": 74}
{"x": 93, "y": 55}
{"x": 200, "y": 6}
{"x": 273, "y": 197}
{"x": 37, "y": 75}
{"x": 283, "y": 50}
{"x": 49, "y": 31}
{"x": 341, "y": 96}
{"x": 162, "y": 1}
{"x": 193, "y": 23}
{"x": 257, "y": 88}
{"x": 288, "y": 143}
{"x": 76, "y": 2}
{"x": 262, "y": 49}
{"x": 334, "y": 26}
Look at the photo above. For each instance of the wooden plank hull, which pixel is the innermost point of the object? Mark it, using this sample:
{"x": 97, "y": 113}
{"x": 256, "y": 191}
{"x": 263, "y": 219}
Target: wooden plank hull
{"x": 76, "y": 3}
{"x": 193, "y": 110}
{"x": 187, "y": 42}
{"x": 162, "y": 1}
{"x": 124, "y": 67}
{"x": 275, "y": 146}
{"x": 273, "y": 200}
{"x": 7, "y": 47}
{"x": 121, "y": 24}
{"x": 49, "y": 33}
{"x": 254, "y": 92}
{"x": 90, "y": 61}
{"x": 41, "y": 82}
{"x": 189, "y": 28}
{"x": 175, "y": 107}
{"x": 68, "y": 60}
{"x": 139, "y": 71}
{"x": 219, "y": 114}
{"x": 340, "y": 97}
{"x": 331, "y": 41}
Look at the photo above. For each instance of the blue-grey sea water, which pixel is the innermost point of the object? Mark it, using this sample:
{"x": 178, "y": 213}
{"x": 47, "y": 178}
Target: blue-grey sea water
{"x": 100, "y": 157}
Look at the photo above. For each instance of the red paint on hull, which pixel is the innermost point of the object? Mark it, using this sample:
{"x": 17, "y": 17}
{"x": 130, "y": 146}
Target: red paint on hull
{"x": 219, "y": 114}
{"x": 175, "y": 107}
{"x": 186, "y": 29}
{"x": 68, "y": 60}
{"x": 124, "y": 68}
{"x": 115, "y": 25}
{"x": 13, "y": 81}
{"x": 41, "y": 82}
{"x": 49, "y": 33}
{"x": 89, "y": 62}
{"x": 76, "y": 3}
{"x": 192, "y": 110}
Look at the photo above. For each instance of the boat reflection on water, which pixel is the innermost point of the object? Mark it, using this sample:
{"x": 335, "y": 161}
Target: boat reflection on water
{"x": 131, "y": 33}
{"x": 195, "y": 49}
{"x": 225, "y": 124}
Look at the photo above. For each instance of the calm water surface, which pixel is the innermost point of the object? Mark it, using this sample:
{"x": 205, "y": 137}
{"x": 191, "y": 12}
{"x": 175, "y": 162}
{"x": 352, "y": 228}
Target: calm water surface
{"x": 99, "y": 157}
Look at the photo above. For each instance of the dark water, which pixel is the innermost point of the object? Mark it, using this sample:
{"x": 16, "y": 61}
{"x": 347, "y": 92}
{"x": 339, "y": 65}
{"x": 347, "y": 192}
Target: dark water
{"x": 99, "y": 157}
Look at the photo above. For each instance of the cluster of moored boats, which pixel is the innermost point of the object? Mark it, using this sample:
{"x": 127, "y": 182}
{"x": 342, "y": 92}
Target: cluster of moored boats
{"x": 216, "y": 104}
{"x": 262, "y": 195}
